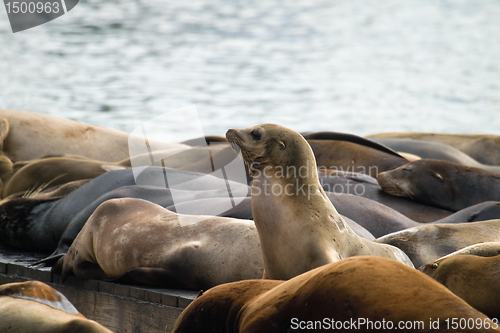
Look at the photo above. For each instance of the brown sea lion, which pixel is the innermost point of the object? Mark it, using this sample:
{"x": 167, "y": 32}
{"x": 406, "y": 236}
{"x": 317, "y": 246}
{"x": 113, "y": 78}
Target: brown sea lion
{"x": 299, "y": 228}
{"x": 147, "y": 243}
{"x": 33, "y": 135}
{"x": 472, "y": 278}
{"x": 442, "y": 184}
{"x": 56, "y": 171}
{"x": 363, "y": 294}
{"x": 34, "y": 307}
{"x": 348, "y": 156}
{"x": 429, "y": 242}
{"x": 484, "y": 148}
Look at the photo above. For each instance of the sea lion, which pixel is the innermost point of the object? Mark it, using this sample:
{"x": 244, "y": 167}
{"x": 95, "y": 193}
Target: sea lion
{"x": 488, "y": 249}
{"x": 299, "y": 228}
{"x": 244, "y": 211}
{"x": 488, "y": 210}
{"x": 33, "y": 224}
{"x": 442, "y": 184}
{"x": 55, "y": 171}
{"x": 146, "y": 242}
{"x": 367, "y": 187}
{"x": 34, "y": 307}
{"x": 364, "y": 294}
{"x": 472, "y": 278}
{"x": 348, "y": 156}
{"x": 33, "y": 135}
{"x": 484, "y": 148}
{"x": 429, "y": 242}
{"x": 435, "y": 151}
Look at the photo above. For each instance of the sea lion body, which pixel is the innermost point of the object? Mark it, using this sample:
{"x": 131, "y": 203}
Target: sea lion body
{"x": 435, "y": 151}
{"x": 299, "y": 228}
{"x": 33, "y": 136}
{"x": 54, "y": 171}
{"x": 472, "y": 278}
{"x": 430, "y": 242}
{"x": 367, "y": 187}
{"x": 442, "y": 184}
{"x": 139, "y": 238}
{"x": 38, "y": 224}
{"x": 348, "y": 156}
{"x": 34, "y": 307}
{"x": 370, "y": 288}
{"x": 484, "y": 148}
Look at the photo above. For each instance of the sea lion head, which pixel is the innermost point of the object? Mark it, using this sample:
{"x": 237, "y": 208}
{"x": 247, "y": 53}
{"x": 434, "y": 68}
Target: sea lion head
{"x": 271, "y": 145}
{"x": 418, "y": 179}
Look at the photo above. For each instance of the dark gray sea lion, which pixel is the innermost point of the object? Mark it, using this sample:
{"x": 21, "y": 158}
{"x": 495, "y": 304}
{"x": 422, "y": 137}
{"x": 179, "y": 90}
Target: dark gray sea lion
{"x": 37, "y": 225}
{"x": 367, "y": 187}
{"x": 442, "y": 184}
{"x": 298, "y": 229}
{"x": 244, "y": 211}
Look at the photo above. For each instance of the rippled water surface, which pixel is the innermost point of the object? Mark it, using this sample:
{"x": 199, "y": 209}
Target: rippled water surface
{"x": 349, "y": 66}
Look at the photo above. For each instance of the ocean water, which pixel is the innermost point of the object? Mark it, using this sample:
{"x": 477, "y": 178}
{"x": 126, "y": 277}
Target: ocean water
{"x": 350, "y": 66}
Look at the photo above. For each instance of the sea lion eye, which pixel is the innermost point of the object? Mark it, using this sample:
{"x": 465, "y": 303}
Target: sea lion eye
{"x": 255, "y": 135}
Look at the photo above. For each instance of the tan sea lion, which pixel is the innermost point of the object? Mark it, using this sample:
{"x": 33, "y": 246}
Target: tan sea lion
{"x": 34, "y": 307}
{"x": 473, "y": 278}
{"x": 484, "y": 148}
{"x": 56, "y": 171}
{"x": 442, "y": 184}
{"x": 147, "y": 242}
{"x": 427, "y": 243}
{"x": 33, "y": 135}
{"x": 299, "y": 228}
{"x": 362, "y": 294}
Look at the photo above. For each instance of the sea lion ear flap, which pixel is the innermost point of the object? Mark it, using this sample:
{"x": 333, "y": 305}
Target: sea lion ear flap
{"x": 281, "y": 145}
{"x": 4, "y": 131}
{"x": 438, "y": 176}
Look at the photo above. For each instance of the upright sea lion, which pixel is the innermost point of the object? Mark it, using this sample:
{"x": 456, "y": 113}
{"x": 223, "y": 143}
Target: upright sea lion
{"x": 484, "y": 148}
{"x": 147, "y": 243}
{"x": 34, "y": 307}
{"x": 442, "y": 184}
{"x": 299, "y": 228}
{"x": 33, "y": 135}
{"x": 472, "y": 278}
{"x": 435, "y": 151}
{"x": 429, "y": 242}
{"x": 362, "y": 294}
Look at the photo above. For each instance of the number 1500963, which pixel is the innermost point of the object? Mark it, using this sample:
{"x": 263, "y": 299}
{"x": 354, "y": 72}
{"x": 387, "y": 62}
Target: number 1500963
{"x": 32, "y": 7}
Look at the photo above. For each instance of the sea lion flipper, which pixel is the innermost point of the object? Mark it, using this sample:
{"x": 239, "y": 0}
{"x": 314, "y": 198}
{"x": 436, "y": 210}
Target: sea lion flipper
{"x": 151, "y": 276}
